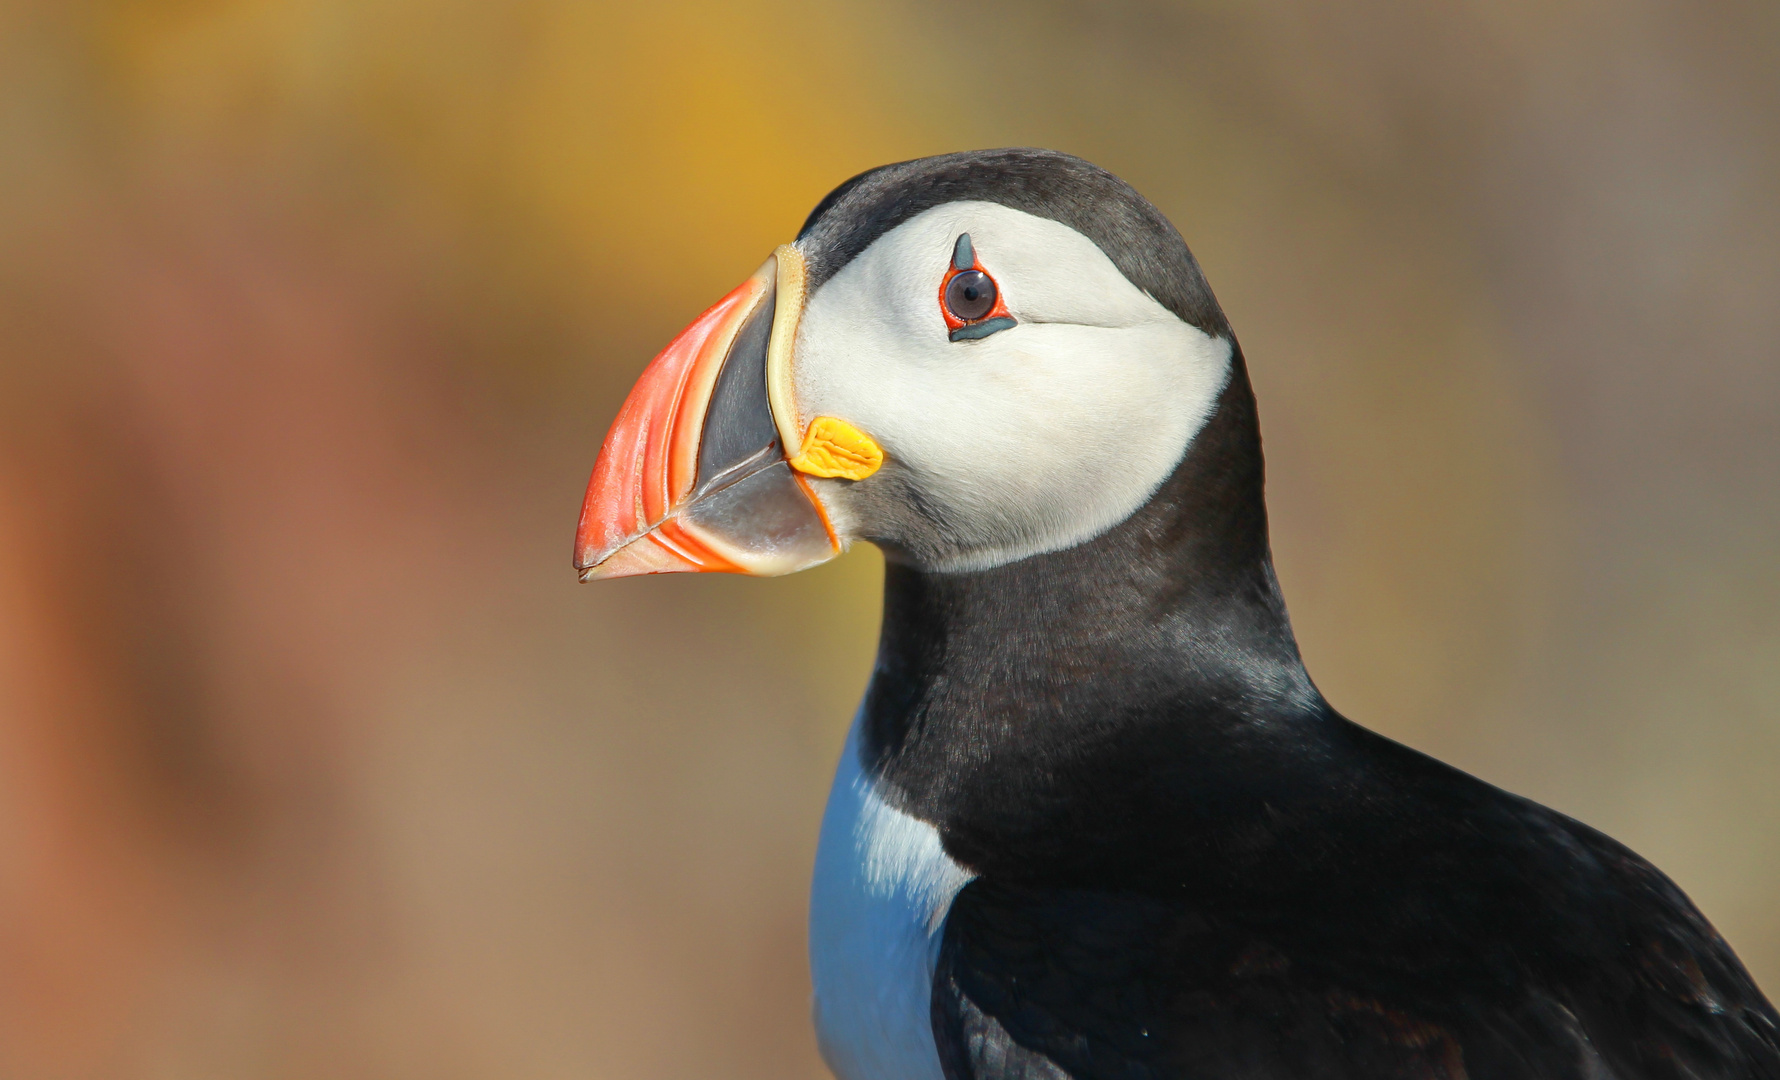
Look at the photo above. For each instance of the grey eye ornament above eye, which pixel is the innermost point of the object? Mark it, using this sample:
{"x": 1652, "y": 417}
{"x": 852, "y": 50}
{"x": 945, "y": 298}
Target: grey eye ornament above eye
{"x": 969, "y": 299}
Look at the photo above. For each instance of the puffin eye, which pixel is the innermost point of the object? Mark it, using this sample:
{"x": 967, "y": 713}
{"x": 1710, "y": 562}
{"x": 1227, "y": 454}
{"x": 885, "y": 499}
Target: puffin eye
{"x": 970, "y": 295}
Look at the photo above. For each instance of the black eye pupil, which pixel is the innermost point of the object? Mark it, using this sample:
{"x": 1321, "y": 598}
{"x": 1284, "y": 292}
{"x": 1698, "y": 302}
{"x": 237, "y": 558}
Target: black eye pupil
{"x": 970, "y": 295}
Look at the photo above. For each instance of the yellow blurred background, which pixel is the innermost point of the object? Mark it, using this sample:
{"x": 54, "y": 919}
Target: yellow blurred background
{"x": 316, "y": 761}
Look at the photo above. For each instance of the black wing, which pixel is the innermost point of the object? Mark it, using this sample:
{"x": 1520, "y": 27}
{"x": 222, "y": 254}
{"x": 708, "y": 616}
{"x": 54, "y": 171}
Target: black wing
{"x": 1061, "y": 984}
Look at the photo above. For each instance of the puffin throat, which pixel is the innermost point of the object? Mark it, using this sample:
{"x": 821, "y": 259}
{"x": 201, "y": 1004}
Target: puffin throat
{"x": 1168, "y": 630}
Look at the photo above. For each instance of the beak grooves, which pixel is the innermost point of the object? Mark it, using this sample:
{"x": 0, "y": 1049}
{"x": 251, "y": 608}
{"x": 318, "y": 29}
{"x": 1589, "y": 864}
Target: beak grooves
{"x": 650, "y": 457}
{"x": 694, "y": 475}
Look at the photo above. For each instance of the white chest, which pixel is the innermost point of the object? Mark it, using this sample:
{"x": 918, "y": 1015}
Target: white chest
{"x": 883, "y": 887}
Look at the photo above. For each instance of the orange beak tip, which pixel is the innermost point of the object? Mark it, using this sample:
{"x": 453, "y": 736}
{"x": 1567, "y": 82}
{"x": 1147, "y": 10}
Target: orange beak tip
{"x": 662, "y": 501}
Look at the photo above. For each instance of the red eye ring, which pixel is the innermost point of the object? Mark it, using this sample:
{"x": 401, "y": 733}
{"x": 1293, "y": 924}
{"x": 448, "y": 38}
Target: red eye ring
{"x": 964, "y": 262}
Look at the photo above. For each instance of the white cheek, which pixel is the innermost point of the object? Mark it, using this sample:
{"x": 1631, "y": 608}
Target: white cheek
{"x": 1033, "y": 439}
{"x": 1064, "y": 435}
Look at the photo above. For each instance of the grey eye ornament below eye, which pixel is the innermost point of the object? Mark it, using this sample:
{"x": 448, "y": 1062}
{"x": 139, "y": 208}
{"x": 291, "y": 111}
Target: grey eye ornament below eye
{"x": 969, "y": 298}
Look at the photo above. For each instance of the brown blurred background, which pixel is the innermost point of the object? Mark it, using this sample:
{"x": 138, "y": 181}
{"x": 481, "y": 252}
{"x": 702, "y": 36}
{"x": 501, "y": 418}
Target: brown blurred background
{"x": 316, "y": 761}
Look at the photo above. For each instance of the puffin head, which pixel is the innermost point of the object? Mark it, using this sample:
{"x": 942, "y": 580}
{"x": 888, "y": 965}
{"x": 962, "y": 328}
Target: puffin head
{"x": 968, "y": 360}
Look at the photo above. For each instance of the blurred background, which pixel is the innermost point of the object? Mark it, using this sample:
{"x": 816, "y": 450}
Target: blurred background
{"x": 315, "y": 759}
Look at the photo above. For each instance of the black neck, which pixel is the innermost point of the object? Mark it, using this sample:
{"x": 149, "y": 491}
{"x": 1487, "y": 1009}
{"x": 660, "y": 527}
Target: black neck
{"x": 1075, "y": 689}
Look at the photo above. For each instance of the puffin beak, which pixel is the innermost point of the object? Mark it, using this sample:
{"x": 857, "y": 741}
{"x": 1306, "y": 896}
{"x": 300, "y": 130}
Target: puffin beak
{"x": 694, "y": 474}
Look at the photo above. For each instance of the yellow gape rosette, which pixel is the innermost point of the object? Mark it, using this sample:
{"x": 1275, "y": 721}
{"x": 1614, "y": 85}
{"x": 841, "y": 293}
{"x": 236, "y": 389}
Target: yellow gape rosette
{"x": 836, "y": 448}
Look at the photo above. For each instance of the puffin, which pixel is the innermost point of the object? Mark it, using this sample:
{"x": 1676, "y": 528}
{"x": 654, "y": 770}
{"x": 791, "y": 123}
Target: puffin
{"x": 1093, "y": 819}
